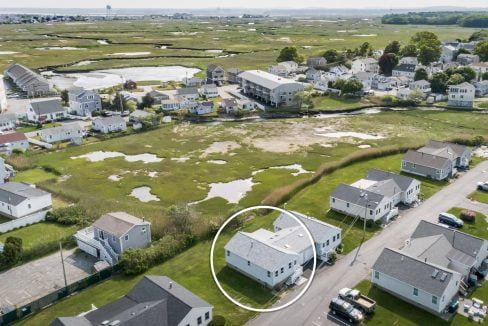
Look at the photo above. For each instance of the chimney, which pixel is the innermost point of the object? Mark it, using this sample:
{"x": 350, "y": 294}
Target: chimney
{"x": 170, "y": 285}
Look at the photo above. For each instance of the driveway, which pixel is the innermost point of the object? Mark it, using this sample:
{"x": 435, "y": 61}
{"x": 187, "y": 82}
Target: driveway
{"x": 35, "y": 279}
{"x": 312, "y": 308}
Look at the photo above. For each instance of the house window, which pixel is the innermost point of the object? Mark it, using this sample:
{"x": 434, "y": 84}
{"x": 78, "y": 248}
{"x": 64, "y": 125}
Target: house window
{"x": 289, "y": 265}
{"x": 29, "y": 205}
{"x": 228, "y": 253}
{"x": 126, "y": 237}
{"x": 377, "y": 275}
{"x": 338, "y": 236}
{"x": 143, "y": 230}
{"x": 347, "y": 204}
{"x": 434, "y": 299}
{"x": 199, "y": 320}
{"x": 370, "y": 212}
{"x": 333, "y": 238}
{"x": 295, "y": 262}
{"x": 269, "y": 274}
{"x": 276, "y": 273}
{"x": 333, "y": 200}
{"x": 282, "y": 270}
{"x": 113, "y": 237}
{"x": 416, "y": 292}
{"x": 248, "y": 263}
{"x": 327, "y": 242}
{"x": 207, "y": 315}
{"x": 323, "y": 245}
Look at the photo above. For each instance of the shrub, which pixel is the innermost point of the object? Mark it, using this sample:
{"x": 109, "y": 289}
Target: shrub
{"x": 12, "y": 252}
{"x": 370, "y": 223}
{"x": 483, "y": 105}
{"x": 217, "y": 321}
{"x": 51, "y": 169}
{"x": 20, "y": 161}
{"x": 71, "y": 215}
{"x": 468, "y": 216}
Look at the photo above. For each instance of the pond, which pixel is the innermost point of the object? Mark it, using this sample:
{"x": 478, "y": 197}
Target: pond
{"x": 232, "y": 191}
{"x": 101, "y": 156}
{"x": 144, "y": 194}
{"x": 352, "y": 134}
{"x": 111, "y": 77}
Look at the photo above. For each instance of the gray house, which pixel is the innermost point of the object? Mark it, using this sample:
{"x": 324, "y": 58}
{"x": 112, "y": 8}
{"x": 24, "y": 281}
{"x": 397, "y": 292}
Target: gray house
{"x": 15, "y": 140}
{"x": 215, "y": 74}
{"x": 316, "y": 62}
{"x": 84, "y": 102}
{"x": 27, "y": 80}
{"x": 8, "y": 121}
{"x": 276, "y": 258}
{"x": 154, "y": 301}
{"x": 437, "y": 160}
{"x": 112, "y": 234}
{"x": 232, "y": 75}
{"x": 376, "y": 196}
{"x": 433, "y": 265}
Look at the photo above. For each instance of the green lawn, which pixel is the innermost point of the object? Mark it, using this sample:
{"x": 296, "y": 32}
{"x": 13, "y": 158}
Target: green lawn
{"x": 39, "y": 233}
{"x": 328, "y": 103}
{"x": 34, "y": 128}
{"x": 314, "y": 200}
{"x": 480, "y": 226}
{"x": 480, "y": 196}
{"x": 34, "y": 176}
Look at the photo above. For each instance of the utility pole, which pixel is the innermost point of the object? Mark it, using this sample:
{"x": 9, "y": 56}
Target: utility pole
{"x": 62, "y": 263}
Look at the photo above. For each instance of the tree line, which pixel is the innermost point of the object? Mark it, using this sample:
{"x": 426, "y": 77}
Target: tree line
{"x": 464, "y": 19}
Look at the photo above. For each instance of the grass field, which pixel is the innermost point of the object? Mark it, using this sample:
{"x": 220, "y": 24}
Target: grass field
{"x": 479, "y": 228}
{"x": 481, "y": 196}
{"x": 326, "y": 103}
{"x": 186, "y": 42}
{"x": 39, "y": 233}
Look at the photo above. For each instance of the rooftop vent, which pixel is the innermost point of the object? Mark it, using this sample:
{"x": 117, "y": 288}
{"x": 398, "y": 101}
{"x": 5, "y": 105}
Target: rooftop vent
{"x": 115, "y": 322}
{"x": 105, "y": 322}
{"x": 301, "y": 235}
{"x": 443, "y": 277}
{"x": 170, "y": 285}
{"x": 435, "y": 273}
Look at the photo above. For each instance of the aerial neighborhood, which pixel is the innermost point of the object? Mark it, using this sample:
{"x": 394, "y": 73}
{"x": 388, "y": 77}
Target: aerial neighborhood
{"x": 172, "y": 169}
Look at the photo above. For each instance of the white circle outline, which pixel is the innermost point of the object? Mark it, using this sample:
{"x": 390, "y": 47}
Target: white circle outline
{"x": 286, "y": 305}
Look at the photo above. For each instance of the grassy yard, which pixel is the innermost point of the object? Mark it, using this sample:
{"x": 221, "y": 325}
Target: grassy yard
{"x": 34, "y": 176}
{"x": 328, "y": 103}
{"x": 480, "y": 226}
{"x": 39, "y": 233}
{"x": 480, "y": 196}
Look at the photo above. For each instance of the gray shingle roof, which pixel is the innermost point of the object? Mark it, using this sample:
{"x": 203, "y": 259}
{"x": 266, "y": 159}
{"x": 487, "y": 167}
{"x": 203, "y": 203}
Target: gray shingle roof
{"x": 213, "y": 67}
{"x": 249, "y": 246}
{"x": 187, "y": 91}
{"x": 116, "y": 119}
{"x": 353, "y": 195}
{"x": 45, "y": 107}
{"x": 320, "y": 231}
{"x": 6, "y": 117}
{"x": 118, "y": 223}
{"x": 424, "y": 159}
{"x": 412, "y": 271}
{"x": 70, "y": 127}
{"x": 16, "y": 192}
{"x": 468, "y": 244}
{"x": 155, "y": 300}
{"x": 456, "y": 148}
{"x": 379, "y": 175}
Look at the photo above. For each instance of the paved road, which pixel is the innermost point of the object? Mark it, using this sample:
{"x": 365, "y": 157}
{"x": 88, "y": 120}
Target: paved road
{"x": 312, "y": 308}
{"x": 28, "y": 282}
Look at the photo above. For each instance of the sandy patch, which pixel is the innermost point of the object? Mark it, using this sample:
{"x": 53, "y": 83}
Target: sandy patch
{"x": 115, "y": 177}
{"x": 220, "y": 148}
{"x": 143, "y": 194}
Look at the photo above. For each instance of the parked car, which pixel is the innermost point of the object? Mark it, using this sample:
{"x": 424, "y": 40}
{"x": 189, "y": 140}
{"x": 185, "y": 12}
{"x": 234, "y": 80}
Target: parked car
{"x": 346, "y": 311}
{"x": 483, "y": 186}
{"x": 107, "y": 114}
{"x": 451, "y": 220}
{"x": 358, "y": 300}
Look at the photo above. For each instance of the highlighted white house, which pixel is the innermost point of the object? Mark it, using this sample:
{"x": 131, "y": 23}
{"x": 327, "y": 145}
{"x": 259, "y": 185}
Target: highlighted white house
{"x": 277, "y": 258}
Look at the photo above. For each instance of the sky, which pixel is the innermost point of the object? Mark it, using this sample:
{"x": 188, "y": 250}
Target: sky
{"x": 357, "y": 4}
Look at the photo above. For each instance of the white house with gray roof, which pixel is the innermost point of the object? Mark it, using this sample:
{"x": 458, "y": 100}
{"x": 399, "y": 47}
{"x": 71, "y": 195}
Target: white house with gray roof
{"x": 8, "y": 121}
{"x": 365, "y": 65}
{"x": 419, "y": 282}
{"x": 268, "y": 88}
{"x": 461, "y": 95}
{"x": 72, "y": 132}
{"x": 432, "y": 266}
{"x": 3, "y": 95}
{"x": 84, "y": 102}
{"x": 19, "y": 199}
{"x": 276, "y": 258}
{"x": 109, "y": 124}
{"x": 375, "y": 196}
{"x": 154, "y": 300}
{"x": 112, "y": 234}
{"x": 437, "y": 160}
{"x": 45, "y": 111}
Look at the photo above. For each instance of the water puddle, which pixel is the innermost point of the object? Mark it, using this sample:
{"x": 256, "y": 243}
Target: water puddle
{"x": 101, "y": 156}
{"x": 144, "y": 194}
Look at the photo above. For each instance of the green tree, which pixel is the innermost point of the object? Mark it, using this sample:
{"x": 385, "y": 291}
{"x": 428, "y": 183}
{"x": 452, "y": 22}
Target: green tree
{"x": 289, "y": 53}
{"x": 147, "y": 101}
{"x": 365, "y": 49}
{"x": 481, "y": 49}
{"x": 134, "y": 261}
{"x": 393, "y": 47}
{"x": 484, "y": 76}
{"x": 455, "y": 79}
{"x": 438, "y": 83}
{"x": 409, "y": 50}
{"x": 12, "y": 251}
{"x": 352, "y": 86}
{"x": 416, "y": 95}
{"x": 420, "y": 74}
{"x": 119, "y": 103}
{"x": 182, "y": 218}
{"x": 331, "y": 56}
{"x": 429, "y": 54}
{"x": 387, "y": 62}
{"x": 467, "y": 72}
{"x": 65, "y": 97}
{"x": 425, "y": 38}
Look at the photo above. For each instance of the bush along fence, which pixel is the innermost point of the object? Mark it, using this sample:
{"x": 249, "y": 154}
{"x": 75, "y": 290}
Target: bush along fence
{"x": 35, "y": 306}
